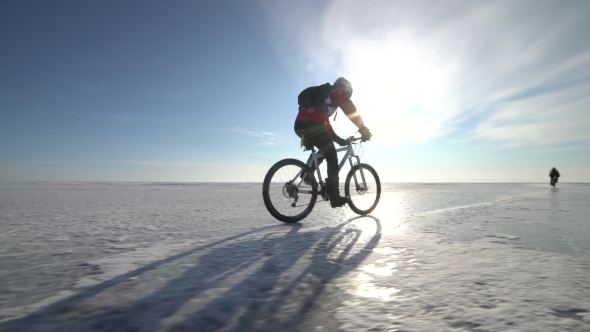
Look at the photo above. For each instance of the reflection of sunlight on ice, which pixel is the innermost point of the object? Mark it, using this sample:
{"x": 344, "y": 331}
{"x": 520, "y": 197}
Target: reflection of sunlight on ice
{"x": 367, "y": 289}
{"x": 390, "y": 212}
{"x": 386, "y": 270}
{"x": 366, "y": 227}
{"x": 388, "y": 251}
{"x": 365, "y": 279}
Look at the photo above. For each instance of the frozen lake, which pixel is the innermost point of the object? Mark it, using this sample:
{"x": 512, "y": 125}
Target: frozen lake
{"x": 209, "y": 257}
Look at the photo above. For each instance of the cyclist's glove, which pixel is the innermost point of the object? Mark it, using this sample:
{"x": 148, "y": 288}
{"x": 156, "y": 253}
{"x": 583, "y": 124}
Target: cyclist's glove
{"x": 341, "y": 141}
{"x": 365, "y": 134}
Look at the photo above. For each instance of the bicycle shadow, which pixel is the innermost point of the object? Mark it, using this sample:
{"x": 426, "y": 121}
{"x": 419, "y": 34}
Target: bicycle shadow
{"x": 253, "y": 289}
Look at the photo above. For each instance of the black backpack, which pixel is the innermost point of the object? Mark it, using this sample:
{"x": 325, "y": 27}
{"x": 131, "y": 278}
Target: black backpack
{"x": 314, "y": 96}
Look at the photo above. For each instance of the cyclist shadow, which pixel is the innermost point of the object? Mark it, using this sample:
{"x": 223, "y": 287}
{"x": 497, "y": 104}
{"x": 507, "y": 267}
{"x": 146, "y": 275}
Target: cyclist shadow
{"x": 256, "y": 292}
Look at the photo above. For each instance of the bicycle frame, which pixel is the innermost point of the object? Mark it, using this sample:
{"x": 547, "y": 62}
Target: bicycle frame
{"x": 349, "y": 155}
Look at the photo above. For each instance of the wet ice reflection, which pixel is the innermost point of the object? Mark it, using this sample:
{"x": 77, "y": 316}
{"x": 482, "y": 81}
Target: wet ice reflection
{"x": 386, "y": 270}
{"x": 391, "y": 212}
{"x": 370, "y": 290}
{"x": 370, "y": 276}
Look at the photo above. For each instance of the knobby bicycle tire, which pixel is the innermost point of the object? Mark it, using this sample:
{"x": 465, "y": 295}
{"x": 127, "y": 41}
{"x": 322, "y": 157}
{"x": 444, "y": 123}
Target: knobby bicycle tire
{"x": 268, "y": 201}
{"x": 347, "y": 188}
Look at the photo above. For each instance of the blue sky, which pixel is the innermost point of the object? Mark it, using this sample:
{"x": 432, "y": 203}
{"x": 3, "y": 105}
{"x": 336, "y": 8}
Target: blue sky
{"x": 206, "y": 90}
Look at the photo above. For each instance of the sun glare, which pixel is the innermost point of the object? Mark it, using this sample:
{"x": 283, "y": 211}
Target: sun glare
{"x": 401, "y": 89}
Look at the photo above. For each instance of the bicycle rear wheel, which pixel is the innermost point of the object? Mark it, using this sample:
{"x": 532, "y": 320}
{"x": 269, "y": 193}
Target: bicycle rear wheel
{"x": 364, "y": 189}
{"x": 285, "y": 195}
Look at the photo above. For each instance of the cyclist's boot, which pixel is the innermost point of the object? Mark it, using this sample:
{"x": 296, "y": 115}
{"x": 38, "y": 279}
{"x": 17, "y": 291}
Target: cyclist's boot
{"x": 332, "y": 187}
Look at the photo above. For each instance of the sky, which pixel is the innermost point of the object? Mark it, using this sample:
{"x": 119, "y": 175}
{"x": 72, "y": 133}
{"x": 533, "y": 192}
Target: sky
{"x": 167, "y": 91}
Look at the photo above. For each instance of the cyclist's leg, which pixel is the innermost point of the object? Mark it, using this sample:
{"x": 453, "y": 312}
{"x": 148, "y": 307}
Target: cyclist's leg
{"x": 316, "y": 134}
{"x": 325, "y": 144}
{"x": 312, "y": 133}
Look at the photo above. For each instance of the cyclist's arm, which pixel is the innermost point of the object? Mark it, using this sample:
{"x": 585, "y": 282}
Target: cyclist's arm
{"x": 341, "y": 99}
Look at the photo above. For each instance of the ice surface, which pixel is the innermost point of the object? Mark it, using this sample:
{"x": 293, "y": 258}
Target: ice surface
{"x": 200, "y": 257}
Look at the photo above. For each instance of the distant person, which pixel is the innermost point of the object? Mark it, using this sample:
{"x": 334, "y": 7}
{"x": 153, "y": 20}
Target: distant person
{"x": 316, "y": 104}
{"x": 554, "y": 175}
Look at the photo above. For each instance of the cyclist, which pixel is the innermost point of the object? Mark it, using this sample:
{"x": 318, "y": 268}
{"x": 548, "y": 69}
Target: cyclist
{"x": 554, "y": 174}
{"x": 316, "y": 105}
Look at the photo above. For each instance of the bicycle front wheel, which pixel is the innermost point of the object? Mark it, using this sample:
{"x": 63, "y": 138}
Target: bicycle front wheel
{"x": 364, "y": 189}
{"x": 285, "y": 195}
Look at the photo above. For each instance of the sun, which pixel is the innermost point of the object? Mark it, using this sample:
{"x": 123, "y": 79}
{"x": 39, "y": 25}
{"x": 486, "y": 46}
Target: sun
{"x": 400, "y": 90}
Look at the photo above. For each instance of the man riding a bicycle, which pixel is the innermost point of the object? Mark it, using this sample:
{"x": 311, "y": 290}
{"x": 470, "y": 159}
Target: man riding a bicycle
{"x": 312, "y": 125}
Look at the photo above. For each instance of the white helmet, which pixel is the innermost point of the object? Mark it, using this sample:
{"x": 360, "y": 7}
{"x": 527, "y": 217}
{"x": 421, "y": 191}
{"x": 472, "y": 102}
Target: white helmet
{"x": 344, "y": 84}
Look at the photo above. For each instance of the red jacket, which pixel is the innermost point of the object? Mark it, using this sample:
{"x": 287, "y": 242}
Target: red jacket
{"x": 337, "y": 98}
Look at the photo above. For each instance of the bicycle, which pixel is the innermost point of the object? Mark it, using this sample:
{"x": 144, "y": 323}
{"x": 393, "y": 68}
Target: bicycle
{"x": 287, "y": 183}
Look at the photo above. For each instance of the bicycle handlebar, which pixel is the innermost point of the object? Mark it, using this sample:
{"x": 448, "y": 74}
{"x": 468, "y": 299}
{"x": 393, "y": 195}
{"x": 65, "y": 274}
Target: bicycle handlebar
{"x": 354, "y": 139}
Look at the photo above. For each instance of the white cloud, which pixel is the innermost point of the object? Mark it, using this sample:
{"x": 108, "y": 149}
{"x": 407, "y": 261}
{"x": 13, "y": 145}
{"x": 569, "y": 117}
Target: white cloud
{"x": 513, "y": 71}
{"x": 547, "y": 119}
{"x": 266, "y": 138}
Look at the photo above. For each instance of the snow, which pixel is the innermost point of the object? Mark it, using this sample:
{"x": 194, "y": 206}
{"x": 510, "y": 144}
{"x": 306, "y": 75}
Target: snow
{"x": 208, "y": 256}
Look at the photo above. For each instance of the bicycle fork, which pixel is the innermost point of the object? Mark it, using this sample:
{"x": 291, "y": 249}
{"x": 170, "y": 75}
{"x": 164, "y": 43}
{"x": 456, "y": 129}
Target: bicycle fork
{"x": 363, "y": 186}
